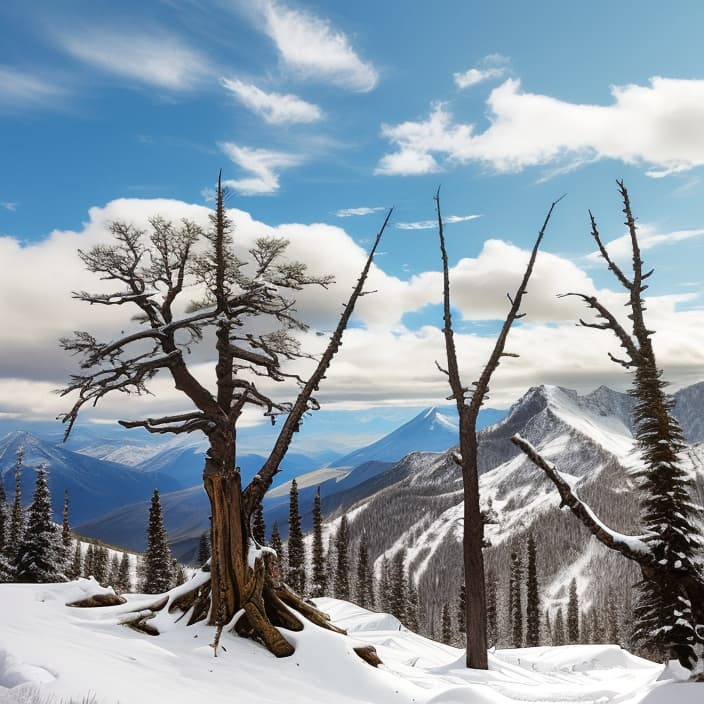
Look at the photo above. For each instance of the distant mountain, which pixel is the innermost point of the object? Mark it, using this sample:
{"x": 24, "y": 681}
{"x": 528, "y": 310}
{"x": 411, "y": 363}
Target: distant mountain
{"x": 432, "y": 430}
{"x": 689, "y": 409}
{"x": 95, "y": 486}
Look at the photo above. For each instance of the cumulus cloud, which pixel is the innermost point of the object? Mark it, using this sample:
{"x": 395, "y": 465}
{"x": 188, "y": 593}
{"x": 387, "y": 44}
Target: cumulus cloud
{"x": 275, "y": 108}
{"x": 154, "y": 58}
{"x": 263, "y": 164}
{"x": 23, "y": 89}
{"x": 9, "y": 205}
{"x": 432, "y": 224}
{"x": 313, "y": 48}
{"x": 352, "y": 212}
{"x": 491, "y": 66}
{"x": 658, "y": 126}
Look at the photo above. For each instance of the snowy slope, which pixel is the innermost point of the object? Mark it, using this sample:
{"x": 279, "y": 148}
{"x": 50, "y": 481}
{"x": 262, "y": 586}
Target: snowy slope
{"x": 64, "y": 652}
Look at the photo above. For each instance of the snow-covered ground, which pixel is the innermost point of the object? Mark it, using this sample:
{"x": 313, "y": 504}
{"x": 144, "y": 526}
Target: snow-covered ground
{"x": 51, "y": 652}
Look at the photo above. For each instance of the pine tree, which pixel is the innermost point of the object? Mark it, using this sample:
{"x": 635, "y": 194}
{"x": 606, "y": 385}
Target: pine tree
{"x": 330, "y": 565}
{"x": 275, "y": 542}
{"x": 204, "y": 548}
{"x": 492, "y": 621}
{"x": 573, "y": 613}
{"x": 515, "y": 602}
{"x": 558, "y": 635}
{"x": 157, "y": 558}
{"x": 296, "y": 576}
{"x": 258, "y": 525}
{"x": 398, "y": 591}
{"x": 65, "y": 529}
{"x": 596, "y": 631}
{"x": 75, "y": 568}
{"x": 362, "y": 580}
{"x": 101, "y": 564}
{"x": 547, "y": 632}
{"x": 114, "y": 570}
{"x": 612, "y": 625}
{"x": 6, "y": 570}
{"x": 342, "y": 572}
{"x": 532, "y": 597}
{"x": 40, "y": 558}
{"x": 412, "y": 607}
{"x": 17, "y": 517}
{"x": 124, "y": 581}
{"x": 461, "y": 608}
{"x": 446, "y": 624}
{"x": 179, "y": 575}
{"x": 320, "y": 577}
{"x": 88, "y": 560}
{"x": 584, "y": 627}
{"x": 384, "y": 586}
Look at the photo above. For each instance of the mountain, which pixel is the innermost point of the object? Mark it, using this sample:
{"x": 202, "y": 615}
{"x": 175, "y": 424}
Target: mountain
{"x": 95, "y": 486}
{"x": 432, "y": 430}
{"x": 689, "y": 406}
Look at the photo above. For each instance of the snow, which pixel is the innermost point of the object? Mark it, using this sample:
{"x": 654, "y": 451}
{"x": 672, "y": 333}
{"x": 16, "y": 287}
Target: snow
{"x": 61, "y": 652}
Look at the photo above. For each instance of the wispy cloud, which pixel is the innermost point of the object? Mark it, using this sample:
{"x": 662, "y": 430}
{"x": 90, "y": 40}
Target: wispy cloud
{"x": 275, "y": 108}
{"x": 658, "y": 125}
{"x": 22, "y": 89}
{"x": 313, "y": 48}
{"x": 352, "y": 212}
{"x": 153, "y": 58}
{"x": 620, "y": 248}
{"x": 262, "y": 164}
{"x": 491, "y": 66}
{"x": 431, "y": 224}
{"x": 8, "y": 205}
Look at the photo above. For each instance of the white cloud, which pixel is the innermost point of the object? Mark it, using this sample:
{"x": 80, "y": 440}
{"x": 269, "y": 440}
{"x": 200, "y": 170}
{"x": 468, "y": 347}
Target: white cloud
{"x": 23, "y": 89}
{"x": 432, "y": 224}
{"x": 620, "y": 248}
{"x": 153, "y": 58}
{"x": 275, "y": 108}
{"x": 8, "y": 205}
{"x": 263, "y": 164}
{"x": 310, "y": 46}
{"x": 352, "y": 212}
{"x": 473, "y": 76}
{"x": 659, "y": 126}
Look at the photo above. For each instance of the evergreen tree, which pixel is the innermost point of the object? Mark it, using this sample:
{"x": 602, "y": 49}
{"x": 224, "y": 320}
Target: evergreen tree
{"x": 342, "y": 572}
{"x": 532, "y": 597}
{"x": 17, "y": 518}
{"x": 558, "y": 635}
{"x": 124, "y": 581}
{"x": 412, "y": 608}
{"x": 6, "y": 570}
{"x": 320, "y": 577}
{"x": 114, "y": 570}
{"x": 573, "y": 613}
{"x": 584, "y": 627}
{"x": 101, "y": 564}
{"x": 492, "y": 621}
{"x": 65, "y": 529}
{"x": 75, "y": 569}
{"x": 40, "y": 558}
{"x": 179, "y": 575}
{"x": 296, "y": 576}
{"x": 461, "y": 608}
{"x": 547, "y": 632}
{"x": 157, "y": 558}
{"x": 446, "y": 624}
{"x": 88, "y": 561}
{"x": 330, "y": 565}
{"x": 258, "y": 525}
{"x": 385, "y": 586}
{"x": 275, "y": 542}
{"x": 515, "y": 602}
{"x": 612, "y": 625}
{"x": 596, "y": 632}
{"x": 204, "y": 548}
{"x": 397, "y": 596}
{"x": 362, "y": 581}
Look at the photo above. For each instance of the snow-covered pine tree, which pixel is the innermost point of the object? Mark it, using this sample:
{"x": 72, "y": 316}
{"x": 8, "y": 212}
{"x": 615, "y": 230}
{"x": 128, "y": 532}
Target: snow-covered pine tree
{"x": 204, "y": 548}
{"x": 66, "y": 539}
{"x": 275, "y": 542}
{"x": 596, "y": 630}
{"x": 384, "y": 600}
{"x": 573, "y": 613}
{"x": 613, "y": 632}
{"x": 157, "y": 557}
{"x": 492, "y": 621}
{"x": 101, "y": 564}
{"x": 532, "y": 596}
{"x": 124, "y": 581}
{"x": 296, "y": 575}
{"x": 40, "y": 554}
{"x": 258, "y": 525}
{"x": 584, "y": 627}
{"x": 330, "y": 566}
{"x": 362, "y": 577}
{"x": 547, "y": 629}
{"x": 342, "y": 571}
{"x": 88, "y": 560}
{"x": 114, "y": 571}
{"x": 17, "y": 514}
{"x": 446, "y": 624}
{"x": 462, "y": 609}
{"x": 515, "y": 601}
{"x": 75, "y": 569}
{"x": 412, "y": 608}
{"x": 558, "y": 631}
{"x": 179, "y": 575}
{"x": 6, "y": 571}
{"x": 319, "y": 583}
{"x": 397, "y": 596}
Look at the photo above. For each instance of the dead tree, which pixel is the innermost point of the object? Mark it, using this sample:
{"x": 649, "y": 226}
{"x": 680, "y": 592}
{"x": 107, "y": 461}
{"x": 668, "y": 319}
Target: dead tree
{"x": 668, "y": 552}
{"x": 469, "y": 402}
{"x": 248, "y": 309}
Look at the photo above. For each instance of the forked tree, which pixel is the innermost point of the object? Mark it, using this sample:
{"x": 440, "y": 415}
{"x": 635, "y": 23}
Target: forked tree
{"x": 246, "y": 310}
{"x": 670, "y": 614}
{"x": 469, "y": 403}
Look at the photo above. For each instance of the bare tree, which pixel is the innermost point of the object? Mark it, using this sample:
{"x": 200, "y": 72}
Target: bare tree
{"x": 468, "y": 411}
{"x": 671, "y": 610}
{"x": 250, "y": 310}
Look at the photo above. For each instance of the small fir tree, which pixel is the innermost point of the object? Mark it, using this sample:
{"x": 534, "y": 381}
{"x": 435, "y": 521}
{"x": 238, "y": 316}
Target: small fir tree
{"x": 258, "y": 525}
{"x": 157, "y": 558}
{"x": 88, "y": 560}
{"x": 40, "y": 555}
{"x": 342, "y": 572}
{"x": 330, "y": 565}
{"x": 362, "y": 580}
{"x": 275, "y": 543}
{"x": 532, "y": 597}
{"x": 296, "y": 577}
{"x": 65, "y": 529}
{"x": 397, "y": 596}
{"x": 596, "y": 631}
{"x": 385, "y": 586}
{"x": 573, "y": 613}
{"x": 492, "y": 620}
{"x": 584, "y": 627}
{"x": 17, "y": 517}
{"x": 114, "y": 570}
{"x": 412, "y": 608}
{"x": 75, "y": 569}
{"x": 6, "y": 571}
{"x": 461, "y": 609}
{"x": 612, "y": 624}
{"x": 515, "y": 602}
{"x": 319, "y": 584}
{"x": 446, "y": 624}
{"x": 204, "y": 548}
{"x": 124, "y": 581}
{"x": 101, "y": 564}
{"x": 558, "y": 634}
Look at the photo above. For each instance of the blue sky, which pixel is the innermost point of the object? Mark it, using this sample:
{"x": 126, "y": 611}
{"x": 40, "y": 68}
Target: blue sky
{"x": 320, "y": 110}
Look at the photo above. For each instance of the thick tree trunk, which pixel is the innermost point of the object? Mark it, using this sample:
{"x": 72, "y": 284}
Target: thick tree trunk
{"x": 475, "y": 605}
